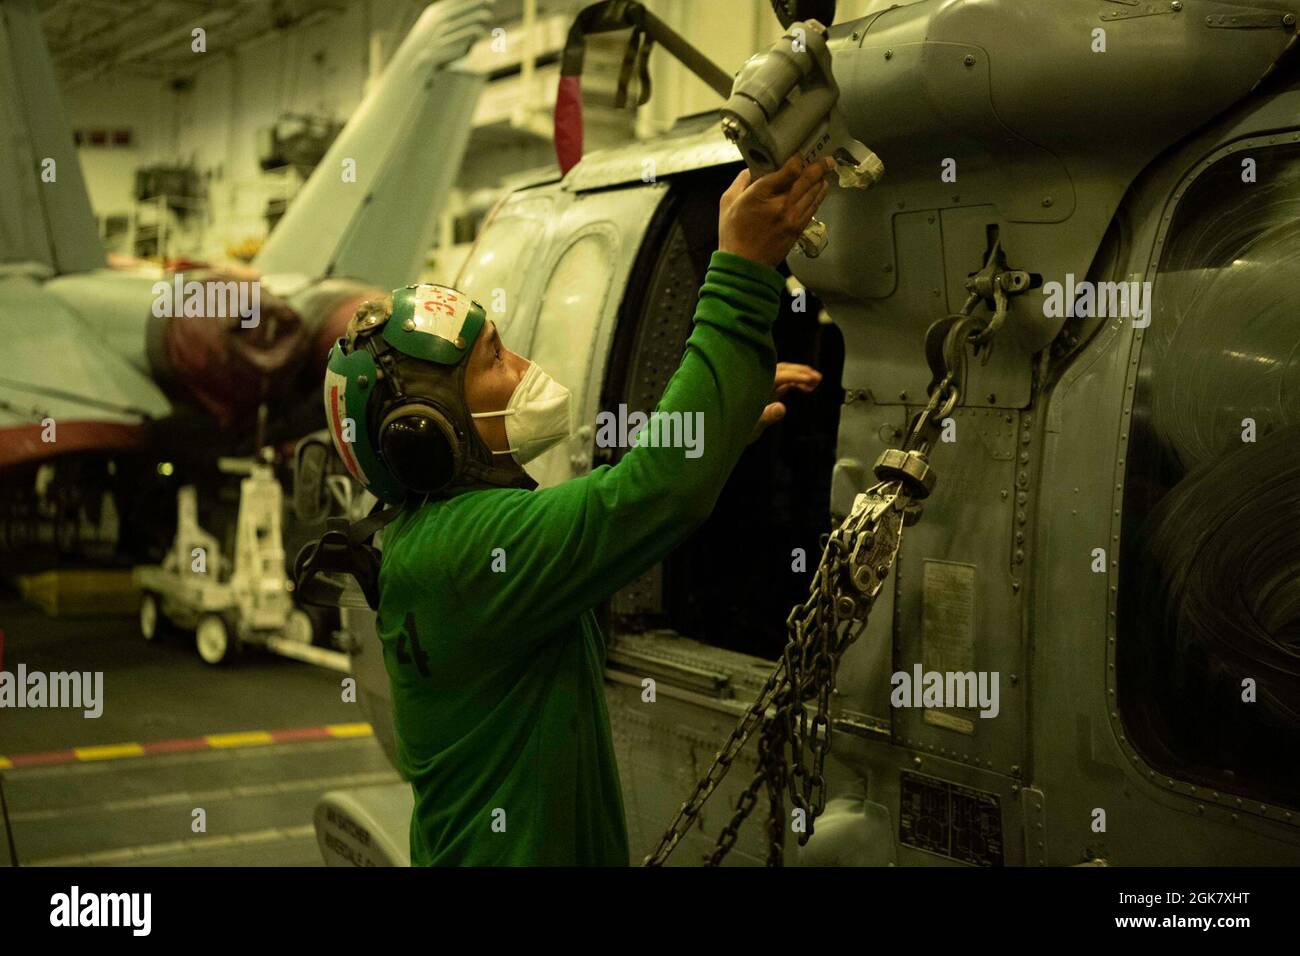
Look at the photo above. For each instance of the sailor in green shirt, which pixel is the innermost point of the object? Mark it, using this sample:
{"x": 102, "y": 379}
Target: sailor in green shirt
{"x": 487, "y": 585}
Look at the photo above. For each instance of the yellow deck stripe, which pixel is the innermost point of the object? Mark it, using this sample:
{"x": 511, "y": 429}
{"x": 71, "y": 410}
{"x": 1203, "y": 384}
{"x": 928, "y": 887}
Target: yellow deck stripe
{"x": 248, "y": 738}
{"x": 108, "y": 751}
{"x": 349, "y": 730}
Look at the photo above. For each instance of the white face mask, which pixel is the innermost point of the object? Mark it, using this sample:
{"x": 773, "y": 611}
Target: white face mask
{"x": 539, "y": 415}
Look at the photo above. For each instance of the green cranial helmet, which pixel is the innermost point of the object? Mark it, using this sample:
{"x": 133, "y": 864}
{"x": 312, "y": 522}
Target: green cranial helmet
{"x": 395, "y": 397}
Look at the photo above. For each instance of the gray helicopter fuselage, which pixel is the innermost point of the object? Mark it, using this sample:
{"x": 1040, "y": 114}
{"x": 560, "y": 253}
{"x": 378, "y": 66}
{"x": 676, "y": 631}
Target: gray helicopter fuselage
{"x": 1092, "y": 140}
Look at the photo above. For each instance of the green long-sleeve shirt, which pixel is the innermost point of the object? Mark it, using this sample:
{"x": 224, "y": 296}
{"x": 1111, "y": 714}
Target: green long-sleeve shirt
{"x": 498, "y": 675}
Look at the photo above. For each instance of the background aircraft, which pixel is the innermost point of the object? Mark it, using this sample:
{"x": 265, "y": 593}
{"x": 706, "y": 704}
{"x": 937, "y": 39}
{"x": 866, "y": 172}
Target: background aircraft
{"x": 105, "y": 407}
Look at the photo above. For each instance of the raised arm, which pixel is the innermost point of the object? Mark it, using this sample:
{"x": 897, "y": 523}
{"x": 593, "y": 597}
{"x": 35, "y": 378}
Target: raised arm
{"x": 567, "y": 548}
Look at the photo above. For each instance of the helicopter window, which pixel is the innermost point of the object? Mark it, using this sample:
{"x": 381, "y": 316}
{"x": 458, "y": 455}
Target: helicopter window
{"x": 491, "y": 276}
{"x": 571, "y": 309}
{"x": 574, "y": 300}
{"x": 1208, "y": 651}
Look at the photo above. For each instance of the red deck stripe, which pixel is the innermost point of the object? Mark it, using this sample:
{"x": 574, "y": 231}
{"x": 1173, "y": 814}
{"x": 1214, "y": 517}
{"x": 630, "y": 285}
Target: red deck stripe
{"x": 43, "y": 759}
{"x": 176, "y": 746}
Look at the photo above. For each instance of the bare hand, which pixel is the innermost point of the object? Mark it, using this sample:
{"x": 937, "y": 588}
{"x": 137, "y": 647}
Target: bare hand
{"x": 761, "y": 219}
{"x": 789, "y": 375}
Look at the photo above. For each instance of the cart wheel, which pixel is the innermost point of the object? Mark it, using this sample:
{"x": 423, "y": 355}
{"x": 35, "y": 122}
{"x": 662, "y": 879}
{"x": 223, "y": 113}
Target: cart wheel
{"x": 298, "y": 628}
{"x": 213, "y": 639}
{"x": 152, "y": 621}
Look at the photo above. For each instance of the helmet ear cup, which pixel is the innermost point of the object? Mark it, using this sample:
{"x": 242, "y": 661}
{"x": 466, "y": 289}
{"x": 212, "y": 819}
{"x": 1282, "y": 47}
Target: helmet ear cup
{"x": 420, "y": 448}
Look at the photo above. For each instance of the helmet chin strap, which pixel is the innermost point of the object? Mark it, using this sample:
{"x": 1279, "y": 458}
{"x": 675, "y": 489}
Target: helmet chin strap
{"x": 494, "y": 476}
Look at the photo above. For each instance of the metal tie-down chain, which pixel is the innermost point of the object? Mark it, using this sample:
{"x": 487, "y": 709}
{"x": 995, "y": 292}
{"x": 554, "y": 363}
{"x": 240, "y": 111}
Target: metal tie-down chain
{"x": 855, "y": 563}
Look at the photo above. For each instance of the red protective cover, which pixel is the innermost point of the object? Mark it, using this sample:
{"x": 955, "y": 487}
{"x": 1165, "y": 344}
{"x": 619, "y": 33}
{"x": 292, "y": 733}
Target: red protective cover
{"x": 568, "y": 122}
